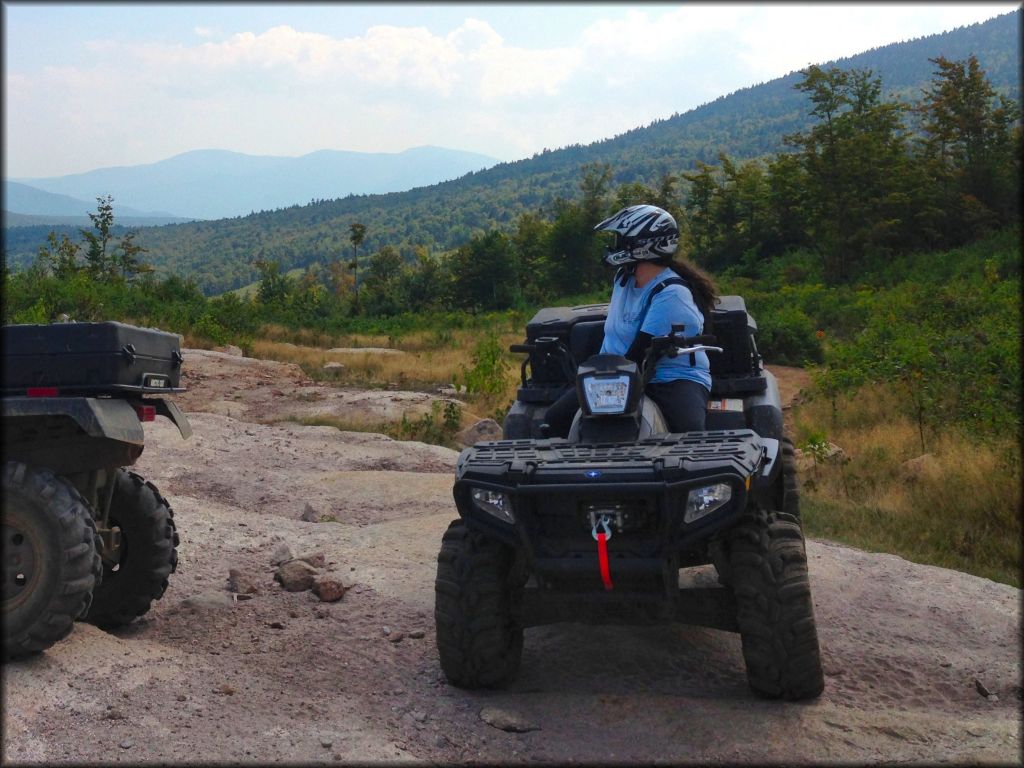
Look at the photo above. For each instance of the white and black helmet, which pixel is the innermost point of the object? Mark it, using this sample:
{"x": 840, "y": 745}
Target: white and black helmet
{"x": 642, "y": 233}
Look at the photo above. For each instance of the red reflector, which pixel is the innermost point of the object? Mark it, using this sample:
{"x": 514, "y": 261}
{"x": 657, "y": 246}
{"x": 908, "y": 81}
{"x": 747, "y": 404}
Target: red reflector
{"x": 146, "y": 412}
{"x": 42, "y": 391}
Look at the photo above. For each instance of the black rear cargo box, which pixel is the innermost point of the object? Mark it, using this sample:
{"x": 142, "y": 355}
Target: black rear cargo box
{"x": 86, "y": 358}
{"x": 734, "y": 330}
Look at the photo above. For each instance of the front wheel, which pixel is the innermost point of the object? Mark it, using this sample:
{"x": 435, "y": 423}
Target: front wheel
{"x": 479, "y": 642}
{"x": 50, "y": 555}
{"x": 768, "y": 564}
{"x": 146, "y": 557}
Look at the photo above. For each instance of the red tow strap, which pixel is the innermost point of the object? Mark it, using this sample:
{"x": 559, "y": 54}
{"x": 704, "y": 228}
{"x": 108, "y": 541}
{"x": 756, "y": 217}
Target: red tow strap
{"x": 602, "y": 559}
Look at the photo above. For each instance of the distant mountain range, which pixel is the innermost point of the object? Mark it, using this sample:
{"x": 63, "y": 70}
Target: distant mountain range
{"x": 25, "y": 206}
{"x": 217, "y": 184}
{"x": 749, "y": 123}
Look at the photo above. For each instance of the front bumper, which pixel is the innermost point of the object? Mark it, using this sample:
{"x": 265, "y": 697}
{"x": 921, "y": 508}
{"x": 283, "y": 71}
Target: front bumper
{"x": 553, "y": 485}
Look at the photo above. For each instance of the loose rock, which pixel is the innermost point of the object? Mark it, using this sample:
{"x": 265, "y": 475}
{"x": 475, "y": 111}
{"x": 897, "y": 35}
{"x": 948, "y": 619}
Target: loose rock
{"x": 282, "y": 553}
{"x": 416, "y": 634}
{"x": 980, "y": 688}
{"x": 504, "y": 720}
{"x": 242, "y": 582}
{"x": 485, "y": 429}
{"x": 316, "y": 559}
{"x": 205, "y": 602}
{"x": 296, "y": 575}
{"x": 310, "y": 514}
{"x": 329, "y": 588}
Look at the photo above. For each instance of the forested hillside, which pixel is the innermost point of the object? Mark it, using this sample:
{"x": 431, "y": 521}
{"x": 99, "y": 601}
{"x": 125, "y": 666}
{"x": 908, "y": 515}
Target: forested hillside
{"x": 753, "y": 122}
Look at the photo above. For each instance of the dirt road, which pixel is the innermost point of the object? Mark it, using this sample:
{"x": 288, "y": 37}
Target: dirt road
{"x": 285, "y": 677}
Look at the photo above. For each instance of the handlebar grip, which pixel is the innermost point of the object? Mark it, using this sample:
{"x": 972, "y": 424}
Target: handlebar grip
{"x": 522, "y": 348}
{"x": 705, "y": 338}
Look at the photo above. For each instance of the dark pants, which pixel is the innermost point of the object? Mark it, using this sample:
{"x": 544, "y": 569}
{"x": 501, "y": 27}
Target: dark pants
{"x": 683, "y": 403}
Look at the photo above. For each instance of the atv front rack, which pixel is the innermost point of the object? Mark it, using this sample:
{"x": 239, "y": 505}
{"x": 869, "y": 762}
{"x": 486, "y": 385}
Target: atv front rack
{"x": 665, "y": 458}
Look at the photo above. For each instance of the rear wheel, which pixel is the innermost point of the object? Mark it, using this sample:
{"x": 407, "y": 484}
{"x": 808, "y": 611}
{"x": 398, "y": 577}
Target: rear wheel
{"x": 146, "y": 557}
{"x": 768, "y": 564}
{"x": 790, "y": 502}
{"x": 50, "y": 555}
{"x": 479, "y": 642}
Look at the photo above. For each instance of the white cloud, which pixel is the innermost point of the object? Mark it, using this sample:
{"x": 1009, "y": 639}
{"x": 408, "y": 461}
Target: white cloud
{"x": 287, "y": 91}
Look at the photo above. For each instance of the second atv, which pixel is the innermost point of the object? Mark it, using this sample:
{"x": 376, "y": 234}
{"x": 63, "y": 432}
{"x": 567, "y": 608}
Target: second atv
{"x": 82, "y": 536}
{"x": 610, "y": 525}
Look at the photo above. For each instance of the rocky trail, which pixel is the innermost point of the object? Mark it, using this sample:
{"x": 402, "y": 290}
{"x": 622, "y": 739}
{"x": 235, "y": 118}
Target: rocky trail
{"x": 922, "y": 664}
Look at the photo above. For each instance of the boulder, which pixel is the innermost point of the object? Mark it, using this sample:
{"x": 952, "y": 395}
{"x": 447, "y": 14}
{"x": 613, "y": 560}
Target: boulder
{"x": 485, "y": 429}
{"x": 296, "y": 575}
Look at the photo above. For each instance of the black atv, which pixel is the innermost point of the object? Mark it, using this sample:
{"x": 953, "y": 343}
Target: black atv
{"x": 619, "y": 522}
{"x": 82, "y": 537}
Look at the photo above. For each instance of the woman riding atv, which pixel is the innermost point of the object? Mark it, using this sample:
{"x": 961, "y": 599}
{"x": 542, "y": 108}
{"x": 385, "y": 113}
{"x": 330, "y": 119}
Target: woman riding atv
{"x": 652, "y": 292}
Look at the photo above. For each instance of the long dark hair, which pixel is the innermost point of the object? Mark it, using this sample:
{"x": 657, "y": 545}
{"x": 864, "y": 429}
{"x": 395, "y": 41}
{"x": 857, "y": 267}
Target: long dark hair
{"x": 705, "y": 294}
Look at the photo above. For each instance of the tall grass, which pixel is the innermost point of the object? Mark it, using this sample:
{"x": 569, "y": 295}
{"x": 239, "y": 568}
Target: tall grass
{"x": 958, "y": 507}
{"x": 429, "y": 361}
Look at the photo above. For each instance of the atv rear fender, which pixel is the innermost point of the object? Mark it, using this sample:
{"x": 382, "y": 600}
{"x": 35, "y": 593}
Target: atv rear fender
{"x": 77, "y": 434}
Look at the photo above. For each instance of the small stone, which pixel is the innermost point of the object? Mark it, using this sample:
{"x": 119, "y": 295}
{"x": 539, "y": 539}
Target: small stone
{"x": 505, "y": 720}
{"x": 181, "y": 697}
{"x": 396, "y": 637}
{"x": 416, "y": 634}
{"x": 207, "y": 601}
{"x": 485, "y": 429}
{"x": 316, "y": 559}
{"x": 946, "y": 664}
{"x": 242, "y": 582}
{"x": 310, "y": 514}
{"x": 326, "y": 743}
{"x": 419, "y": 717}
{"x": 329, "y": 588}
{"x": 244, "y": 596}
{"x": 224, "y": 689}
{"x": 126, "y": 744}
{"x": 386, "y": 630}
{"x": 295, "y": 575}
{"x": 980, "y": 687}
{"x": 294, "y": 614}
{"x": 276, "y": 625}
{"x": 113, "y": 713}
{"x": 992, "y": 697}
{"x": 282, "y": 553}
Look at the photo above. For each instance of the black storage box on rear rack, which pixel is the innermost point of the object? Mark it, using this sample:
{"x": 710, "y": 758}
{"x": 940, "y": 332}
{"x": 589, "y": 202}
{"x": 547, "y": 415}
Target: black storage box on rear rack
{"x": 90, "y": 358}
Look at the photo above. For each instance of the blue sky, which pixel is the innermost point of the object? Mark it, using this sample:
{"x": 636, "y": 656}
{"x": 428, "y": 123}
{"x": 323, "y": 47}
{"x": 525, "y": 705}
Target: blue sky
{"x": 93, "y": 85}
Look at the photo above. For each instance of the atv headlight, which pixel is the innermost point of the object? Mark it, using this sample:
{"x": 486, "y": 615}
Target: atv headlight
{"x": 606, "y": 394}
{"x": 705, "y": 500}
{"x": 495, "y": 503}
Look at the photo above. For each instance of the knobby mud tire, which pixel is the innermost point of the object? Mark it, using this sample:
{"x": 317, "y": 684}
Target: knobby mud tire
{"x": 149, "y": 554}
{"x": 49, "y": 520}
{"x": 768, "y": 563}
{"x": 790, "y": 502}
{"x": 479, "y": 642}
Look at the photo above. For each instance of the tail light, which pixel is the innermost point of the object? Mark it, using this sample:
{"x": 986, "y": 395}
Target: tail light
{"x": 146, "y": 412}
